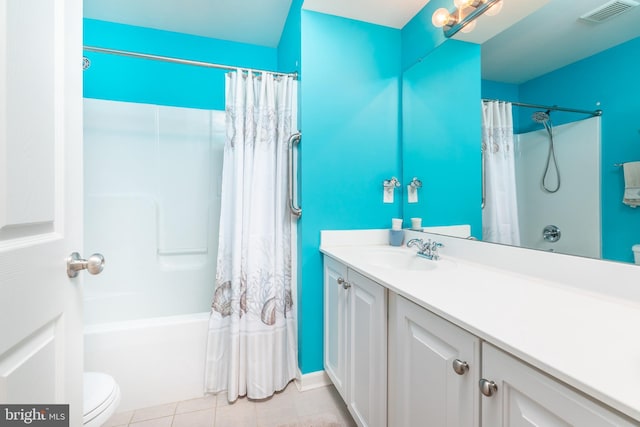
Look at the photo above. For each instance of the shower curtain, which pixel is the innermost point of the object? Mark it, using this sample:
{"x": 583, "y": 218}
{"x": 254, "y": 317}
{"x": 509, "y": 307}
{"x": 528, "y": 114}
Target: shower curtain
{"x": 500, "y": 213}
{"x": 252, "y": 339}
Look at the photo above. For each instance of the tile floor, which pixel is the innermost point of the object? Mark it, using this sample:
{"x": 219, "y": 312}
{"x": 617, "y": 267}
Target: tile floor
{"x": 320, "y": 407}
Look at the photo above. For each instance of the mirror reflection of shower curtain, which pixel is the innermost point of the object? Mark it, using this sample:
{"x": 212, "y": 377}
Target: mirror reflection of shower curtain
{"x": 500, "y": 213}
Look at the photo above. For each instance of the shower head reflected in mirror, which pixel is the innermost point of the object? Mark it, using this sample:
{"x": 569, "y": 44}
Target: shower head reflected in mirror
{"x": 541, "y": 116}
{"x": 544, "y": 118}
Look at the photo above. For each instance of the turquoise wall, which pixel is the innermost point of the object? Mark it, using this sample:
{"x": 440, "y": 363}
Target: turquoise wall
{"x": 607, "y": 81}
{"x": 350, "y": 121}
{"x": 499, "y": 90}
{"x": 140, "y": 80}
{"x": 419, "y": 36}
{"x": 441, "y": 136}
{"x": 289, "y": 48}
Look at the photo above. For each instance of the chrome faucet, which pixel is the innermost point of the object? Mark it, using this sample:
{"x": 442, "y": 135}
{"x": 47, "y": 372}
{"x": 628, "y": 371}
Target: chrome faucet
{"x": 428, "y": 249}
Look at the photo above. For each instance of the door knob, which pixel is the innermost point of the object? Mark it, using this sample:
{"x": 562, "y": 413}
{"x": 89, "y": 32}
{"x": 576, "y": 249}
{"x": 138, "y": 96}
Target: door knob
{"x": 488, "y": 388}
{"x": 460, "y": 367}
{"x": 94, "y": 265}
{"x": 343, "y": 283}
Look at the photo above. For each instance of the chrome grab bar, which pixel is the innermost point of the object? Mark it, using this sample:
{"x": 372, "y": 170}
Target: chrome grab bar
{"x": 483, "y": 179}
{"x": 293, "y": 140}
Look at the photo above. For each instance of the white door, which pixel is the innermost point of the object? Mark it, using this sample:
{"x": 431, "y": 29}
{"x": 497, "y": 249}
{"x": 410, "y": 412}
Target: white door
{"x": 526, "y": 397}
{"x": 367, "y": 354}
{"x": 40, "y": 202}
{"x": 424, "y": 387}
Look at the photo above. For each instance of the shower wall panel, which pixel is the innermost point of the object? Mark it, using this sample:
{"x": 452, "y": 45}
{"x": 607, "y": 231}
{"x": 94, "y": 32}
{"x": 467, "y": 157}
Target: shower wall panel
{"x": 575, "y": 207}
{"x": 152, "y": 206}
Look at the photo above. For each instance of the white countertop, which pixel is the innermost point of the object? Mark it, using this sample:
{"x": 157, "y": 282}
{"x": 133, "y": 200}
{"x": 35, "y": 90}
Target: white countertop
{"x": 585, "y": 339}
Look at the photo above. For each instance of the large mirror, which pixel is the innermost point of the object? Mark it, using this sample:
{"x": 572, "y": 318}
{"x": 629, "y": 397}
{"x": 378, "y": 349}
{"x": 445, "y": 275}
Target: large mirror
{"x": 550, "y": 58}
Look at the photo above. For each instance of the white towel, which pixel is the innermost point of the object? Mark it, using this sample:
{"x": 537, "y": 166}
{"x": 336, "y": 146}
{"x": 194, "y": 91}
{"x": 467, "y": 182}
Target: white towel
{"x": 631, "y": 184}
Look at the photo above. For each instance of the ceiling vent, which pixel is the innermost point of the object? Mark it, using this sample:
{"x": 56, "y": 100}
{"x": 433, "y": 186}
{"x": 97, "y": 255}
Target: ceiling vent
{"x": 609, "y": 10}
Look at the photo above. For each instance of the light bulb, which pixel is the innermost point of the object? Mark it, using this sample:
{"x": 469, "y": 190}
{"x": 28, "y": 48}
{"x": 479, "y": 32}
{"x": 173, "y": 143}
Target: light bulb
{"x": 469, "y": 27}
{"x": 440, "y": 17}
{"x": 495, "y": 9}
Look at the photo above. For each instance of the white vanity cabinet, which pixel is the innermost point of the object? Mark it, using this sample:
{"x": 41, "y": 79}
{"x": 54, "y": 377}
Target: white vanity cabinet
{"x": 355, "y": 342}
{"x": 527, "y": 397}
{"x": 434, "y": 368}
{"x": 439, "y": 374}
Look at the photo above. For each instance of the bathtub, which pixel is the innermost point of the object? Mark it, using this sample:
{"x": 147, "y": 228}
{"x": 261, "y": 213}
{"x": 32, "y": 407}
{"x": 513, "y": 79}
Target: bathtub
{"x": 155, "y": 361}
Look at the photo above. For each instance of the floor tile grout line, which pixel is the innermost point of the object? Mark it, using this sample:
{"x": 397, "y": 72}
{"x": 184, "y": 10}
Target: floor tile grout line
{"x": 253, "y": 408}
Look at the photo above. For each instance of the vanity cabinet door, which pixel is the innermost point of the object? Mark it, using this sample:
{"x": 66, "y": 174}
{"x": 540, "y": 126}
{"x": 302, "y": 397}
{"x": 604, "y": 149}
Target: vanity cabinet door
{"x": 355, "y": 342}
{"x": 424, "y": 388}
{"x": 367, "y": 360}
{"x": 527, "y": 397}
{"x": 335, "y": 323}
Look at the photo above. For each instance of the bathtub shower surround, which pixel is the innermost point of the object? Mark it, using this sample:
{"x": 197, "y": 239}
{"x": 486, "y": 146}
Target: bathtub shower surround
{"x": 575, "y": 207}
{"x": 522, "y": 193}
{"x": 152, "y": 207}
{"x": 252, "y": 345}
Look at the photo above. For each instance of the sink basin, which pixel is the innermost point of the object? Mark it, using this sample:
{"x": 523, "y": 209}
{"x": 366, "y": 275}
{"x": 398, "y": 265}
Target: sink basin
{"x": 402, "y": 260}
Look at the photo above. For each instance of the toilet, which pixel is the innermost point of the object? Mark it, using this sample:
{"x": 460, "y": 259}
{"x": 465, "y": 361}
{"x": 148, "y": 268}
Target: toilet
{"x": 636, "y": 253}
{"x": 101, "y": 397}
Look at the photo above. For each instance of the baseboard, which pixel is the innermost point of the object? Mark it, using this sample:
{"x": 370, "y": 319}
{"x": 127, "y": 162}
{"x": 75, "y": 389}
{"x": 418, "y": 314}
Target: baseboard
{"x": 312, "y": 380}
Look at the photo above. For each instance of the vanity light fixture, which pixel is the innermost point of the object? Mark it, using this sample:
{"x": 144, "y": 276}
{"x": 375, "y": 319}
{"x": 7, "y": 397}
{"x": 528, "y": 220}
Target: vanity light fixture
{"x": 462, "y": 19}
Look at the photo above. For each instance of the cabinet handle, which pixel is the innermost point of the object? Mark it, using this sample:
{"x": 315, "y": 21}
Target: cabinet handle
{"x": 343, "y": 283}
{"x": 488, "y": 388}
{"x": 460, "y": 367}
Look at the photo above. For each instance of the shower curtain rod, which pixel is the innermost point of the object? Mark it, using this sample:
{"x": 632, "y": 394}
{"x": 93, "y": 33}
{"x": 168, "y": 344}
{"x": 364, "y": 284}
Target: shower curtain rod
{"x": 180, "y": 61}
{"x": 594, "y": 113}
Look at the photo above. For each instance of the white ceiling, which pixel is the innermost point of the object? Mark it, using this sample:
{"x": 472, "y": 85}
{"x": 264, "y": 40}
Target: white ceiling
{"x": 548, "y": 38}
{"x": 390, "y": 13}
{"x": 258, "y": 22}
{"x": 488, "y": 27}
{"x": 552, "y": 37}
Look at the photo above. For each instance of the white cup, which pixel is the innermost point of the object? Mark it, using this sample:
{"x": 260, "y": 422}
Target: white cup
{"x": 416, "y": 223}
{"x": 396, "y": 223}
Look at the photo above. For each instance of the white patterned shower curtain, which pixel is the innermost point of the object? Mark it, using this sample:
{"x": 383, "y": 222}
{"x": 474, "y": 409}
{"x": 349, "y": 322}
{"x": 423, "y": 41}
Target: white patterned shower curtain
{"x": 500, "y": 213}
{"x": 252, "y": 340}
